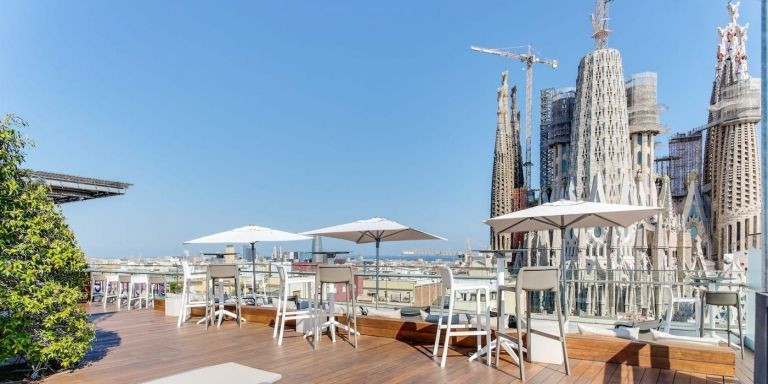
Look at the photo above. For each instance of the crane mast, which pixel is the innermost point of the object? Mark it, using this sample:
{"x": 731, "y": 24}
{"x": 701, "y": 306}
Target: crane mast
{"x": 529, "y": 59}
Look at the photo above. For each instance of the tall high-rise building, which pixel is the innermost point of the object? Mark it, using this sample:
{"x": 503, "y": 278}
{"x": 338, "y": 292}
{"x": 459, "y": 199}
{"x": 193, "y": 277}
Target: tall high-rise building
{"x": 732, "y": 163}
{"x": 545, "y": 153}
{"x": 504, "y": 163}
{"x": 685, "y": 157}
{"x": 560, "y": 139}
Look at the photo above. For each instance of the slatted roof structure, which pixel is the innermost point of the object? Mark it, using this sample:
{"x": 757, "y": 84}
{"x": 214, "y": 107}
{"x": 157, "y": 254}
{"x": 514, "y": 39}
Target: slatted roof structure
{"x": 67, "y": 188}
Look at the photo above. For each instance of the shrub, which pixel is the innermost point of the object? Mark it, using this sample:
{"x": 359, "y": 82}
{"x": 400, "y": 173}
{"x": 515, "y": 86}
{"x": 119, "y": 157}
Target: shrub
{"x": 40, "y": 268}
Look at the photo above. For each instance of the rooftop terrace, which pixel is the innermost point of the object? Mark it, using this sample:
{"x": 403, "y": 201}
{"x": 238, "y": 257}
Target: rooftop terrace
{"x": 139, "y": 345}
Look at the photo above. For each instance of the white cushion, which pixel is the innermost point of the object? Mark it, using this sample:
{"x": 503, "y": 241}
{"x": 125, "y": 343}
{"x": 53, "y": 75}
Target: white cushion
{"x": 383, "y": 313}
{"x": 289, "y": 306}
{"x": 624, "y": 333}
{"x": 658, "y": 335}
{"x": 223, "y": 373}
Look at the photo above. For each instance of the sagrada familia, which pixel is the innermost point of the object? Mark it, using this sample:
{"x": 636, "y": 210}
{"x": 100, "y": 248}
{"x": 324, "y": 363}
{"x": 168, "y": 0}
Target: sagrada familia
{"x": 598, "y": 145}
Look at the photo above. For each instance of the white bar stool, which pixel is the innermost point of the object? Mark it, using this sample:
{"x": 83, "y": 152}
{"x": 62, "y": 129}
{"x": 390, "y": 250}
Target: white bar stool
{"x": 725, "y": 299}
{"x": 97, "y": 278}
{"x": 221, "y": 272}
{"x": 138, "y": 290}
{"x": 111, "y": 288}
{"x": 188, "y": 301}
{"x": 334, "y": 274}
{"x": 155, "y": 281}
{"x": 478, "y": 328}
{"x": 282, "y": 311}
{"x": 532, "y": 279}
{"x": 124, "y": 289}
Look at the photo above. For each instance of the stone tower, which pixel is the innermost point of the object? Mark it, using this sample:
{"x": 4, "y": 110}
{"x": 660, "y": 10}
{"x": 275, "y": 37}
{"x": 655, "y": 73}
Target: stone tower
{"x": 600, "y": 134}
{"x": 504, "y": 164}
{"x": 643, "y": 115}
{"x": 732, "y": 163}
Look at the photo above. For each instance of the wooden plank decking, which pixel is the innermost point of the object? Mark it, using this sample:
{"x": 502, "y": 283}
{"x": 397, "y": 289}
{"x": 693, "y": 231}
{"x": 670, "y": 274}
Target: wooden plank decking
{"x": 139, "y": 345}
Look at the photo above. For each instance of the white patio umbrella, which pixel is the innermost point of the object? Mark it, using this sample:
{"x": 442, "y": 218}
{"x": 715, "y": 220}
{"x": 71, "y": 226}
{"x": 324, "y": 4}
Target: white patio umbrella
{"x": 373, "y": 230}
{"x": 250, "y": 234}
{"x": 564, "y": 214}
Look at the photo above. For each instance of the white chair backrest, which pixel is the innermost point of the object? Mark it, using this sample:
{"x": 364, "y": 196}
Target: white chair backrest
{"x": 447, "y": 277}
{"x": 282, "y": 273}
{"x": 667, "y": 289}
{"x": 187, "y": 270}
{"x": 334, "y": 274}
{"x": 538, "y": 279}
{"x": 223, "y": 271}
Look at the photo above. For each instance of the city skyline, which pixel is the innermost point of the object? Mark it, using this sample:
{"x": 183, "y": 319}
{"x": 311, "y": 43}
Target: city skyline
{"x": 336, "y": 172}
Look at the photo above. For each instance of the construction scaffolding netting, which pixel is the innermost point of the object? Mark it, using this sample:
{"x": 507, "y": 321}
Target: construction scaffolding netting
{"x": 642, "y": 107}
{"x": 739, "y": 100}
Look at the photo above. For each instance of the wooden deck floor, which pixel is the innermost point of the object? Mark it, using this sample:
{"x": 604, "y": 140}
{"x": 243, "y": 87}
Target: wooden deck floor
{"x": 140, "y": 345}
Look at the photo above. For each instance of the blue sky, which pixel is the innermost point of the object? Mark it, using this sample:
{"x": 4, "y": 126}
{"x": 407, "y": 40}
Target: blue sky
{"x": 298, "y": 115}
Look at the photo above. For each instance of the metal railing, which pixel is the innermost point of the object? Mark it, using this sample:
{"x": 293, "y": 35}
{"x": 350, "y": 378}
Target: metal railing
{"x": 592, "y": 294}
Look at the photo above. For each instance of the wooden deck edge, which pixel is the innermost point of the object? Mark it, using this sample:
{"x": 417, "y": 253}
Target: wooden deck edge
{"x": 673, "y": 356}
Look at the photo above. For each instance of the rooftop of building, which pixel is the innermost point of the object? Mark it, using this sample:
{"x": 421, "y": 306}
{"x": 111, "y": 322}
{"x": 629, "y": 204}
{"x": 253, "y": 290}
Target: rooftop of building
{"x": 68, "y": 188}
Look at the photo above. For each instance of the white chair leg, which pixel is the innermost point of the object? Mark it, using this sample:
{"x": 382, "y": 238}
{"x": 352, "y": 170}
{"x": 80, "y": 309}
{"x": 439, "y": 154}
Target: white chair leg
{"x": 519, "y": 319}
{"x": 448, "y": 329}
{"x": 105, "y": 293}
{"x": 488, "y": 327}
{"x": 183, "y": 306}
{"x": 119, "y": 294}
{"x": 439, "y": 326}
{"x": 477, "y": 318}
{"x": 284, "y": 305}
{"x": 239, "y": 303}
{"x": 277, "y": 317}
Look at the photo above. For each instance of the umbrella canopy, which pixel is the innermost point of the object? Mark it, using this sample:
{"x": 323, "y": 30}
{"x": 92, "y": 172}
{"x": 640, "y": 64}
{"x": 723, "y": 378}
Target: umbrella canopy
{"x": 563, "y": 214}
{"x": 373, "y": 230}
{"x": 247, "y": 235}
{"x": 250, "y": 234}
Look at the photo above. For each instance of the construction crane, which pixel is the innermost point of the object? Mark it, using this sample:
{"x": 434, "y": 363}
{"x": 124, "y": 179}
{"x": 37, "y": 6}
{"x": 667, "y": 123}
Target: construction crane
{"x": 529, "y": 58}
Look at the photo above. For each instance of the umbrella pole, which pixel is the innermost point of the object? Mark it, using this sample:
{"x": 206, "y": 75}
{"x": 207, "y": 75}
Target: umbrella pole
{"x": 377, "y": 272}
{"x": 563, "y": 285}
{"x": 253, "y": 272}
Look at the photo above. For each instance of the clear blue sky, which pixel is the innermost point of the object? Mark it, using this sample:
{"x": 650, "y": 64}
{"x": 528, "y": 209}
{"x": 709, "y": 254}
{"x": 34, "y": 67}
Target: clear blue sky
{"x": 298, "y": 115}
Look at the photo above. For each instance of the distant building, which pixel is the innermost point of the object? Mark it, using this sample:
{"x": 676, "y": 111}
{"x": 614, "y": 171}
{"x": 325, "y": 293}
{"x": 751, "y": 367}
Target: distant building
{"x": 545, "y": 153}
{"x": 559, "y": 140}
{"x": 685, "y": 152}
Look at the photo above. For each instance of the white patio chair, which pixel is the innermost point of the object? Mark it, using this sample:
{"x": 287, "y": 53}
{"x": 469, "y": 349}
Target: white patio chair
{"x": 478, "y": 328}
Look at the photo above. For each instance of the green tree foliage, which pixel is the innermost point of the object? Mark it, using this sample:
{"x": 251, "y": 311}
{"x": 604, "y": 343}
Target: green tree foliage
{"x": 40, "y": 268}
